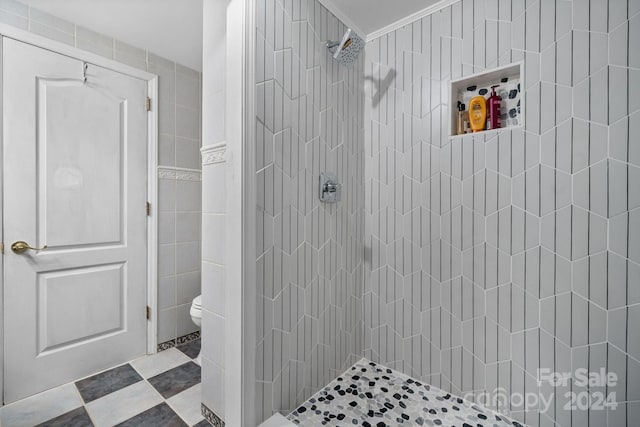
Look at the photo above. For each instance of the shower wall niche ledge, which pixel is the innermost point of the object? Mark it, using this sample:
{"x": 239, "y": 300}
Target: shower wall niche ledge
{"x": 511, "y": 80}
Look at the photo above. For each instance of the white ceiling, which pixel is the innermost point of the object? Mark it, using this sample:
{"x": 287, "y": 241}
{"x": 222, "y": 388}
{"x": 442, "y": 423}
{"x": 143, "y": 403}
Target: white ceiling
{"x": 370, "y": 16}
{"x": 173, "y": 28}
{"x": 169, "y": 28}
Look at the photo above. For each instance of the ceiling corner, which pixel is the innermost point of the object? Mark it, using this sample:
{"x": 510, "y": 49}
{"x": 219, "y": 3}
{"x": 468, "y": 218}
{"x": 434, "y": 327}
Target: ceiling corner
{"x": 371, "y": 19}
{"x": 428, "y": 10}
{"x": 346, "y": 20}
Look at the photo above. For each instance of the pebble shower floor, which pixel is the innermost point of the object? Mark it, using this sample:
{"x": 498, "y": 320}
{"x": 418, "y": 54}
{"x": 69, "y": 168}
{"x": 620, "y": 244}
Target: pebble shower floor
{"x": 371, "y": 395}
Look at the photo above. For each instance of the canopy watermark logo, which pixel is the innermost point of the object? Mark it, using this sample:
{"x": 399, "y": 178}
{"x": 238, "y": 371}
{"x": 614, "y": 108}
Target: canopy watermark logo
{"x": 589, "y": 399}
{"x": 582, "y": 378}
{"x": 587, "y": 392}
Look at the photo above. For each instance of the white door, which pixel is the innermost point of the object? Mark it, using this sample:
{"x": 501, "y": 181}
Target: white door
{"x": 74, "y": 179}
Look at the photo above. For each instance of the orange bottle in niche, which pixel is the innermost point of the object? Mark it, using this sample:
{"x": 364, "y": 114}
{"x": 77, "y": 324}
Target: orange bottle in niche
{"x": 477, "y": 113}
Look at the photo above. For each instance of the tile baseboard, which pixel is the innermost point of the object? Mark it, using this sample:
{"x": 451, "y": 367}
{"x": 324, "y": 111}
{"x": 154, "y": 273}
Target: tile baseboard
{"x": 179, "y": 341}
{"x": 211, "y": 416}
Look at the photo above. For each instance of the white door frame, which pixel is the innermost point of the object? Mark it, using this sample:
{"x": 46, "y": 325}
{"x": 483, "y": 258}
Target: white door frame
{"x": 152, "y": 178}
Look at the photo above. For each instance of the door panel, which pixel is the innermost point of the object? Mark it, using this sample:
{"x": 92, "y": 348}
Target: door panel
{"x": 61, "y": 322}
{"x": 80, "y": 147}
{"x": 75, "y": 156}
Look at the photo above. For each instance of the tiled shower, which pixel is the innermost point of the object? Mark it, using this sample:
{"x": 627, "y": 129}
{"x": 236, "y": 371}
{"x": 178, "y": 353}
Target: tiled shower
{"x": 309, "y": 265}
{"x": 469, "y": 262}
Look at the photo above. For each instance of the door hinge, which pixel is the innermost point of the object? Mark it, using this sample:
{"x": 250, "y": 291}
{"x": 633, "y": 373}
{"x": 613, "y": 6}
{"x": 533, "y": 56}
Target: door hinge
{"x": 147, "y": 104}
{"x": 148, "y": 208}
{"x": 148, "y": 312}
{"x": 2, "y": 248}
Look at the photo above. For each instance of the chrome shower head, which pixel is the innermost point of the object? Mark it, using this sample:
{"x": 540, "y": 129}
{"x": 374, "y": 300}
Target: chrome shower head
{"x": 347, "y": 50}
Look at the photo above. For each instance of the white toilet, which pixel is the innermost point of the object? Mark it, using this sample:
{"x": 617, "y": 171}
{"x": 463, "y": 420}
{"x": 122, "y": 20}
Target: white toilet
{"x": 196, "y": 316}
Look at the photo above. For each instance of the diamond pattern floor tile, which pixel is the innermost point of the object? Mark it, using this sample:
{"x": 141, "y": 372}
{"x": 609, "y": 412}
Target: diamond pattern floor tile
{"x": 41, "y": 407}
{"x": 107, "y": 382}
{"x": 76, "y": 418}
{"x": 191, "y": 348}
{"x": 162, "y": 389}
{"x": 123, "y": 404}
{"x": 176, "y": 380}
{"x": 150, "y": 366}
{"x": 187, "y": 404}
{"x": 160, "y": 415}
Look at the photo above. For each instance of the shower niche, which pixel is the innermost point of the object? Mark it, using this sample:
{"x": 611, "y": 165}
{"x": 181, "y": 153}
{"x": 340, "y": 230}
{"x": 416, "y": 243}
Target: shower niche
{"x": 509, "y": 86}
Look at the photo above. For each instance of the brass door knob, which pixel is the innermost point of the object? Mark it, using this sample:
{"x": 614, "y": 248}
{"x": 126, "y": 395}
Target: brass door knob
{"x": 21, "y": 247}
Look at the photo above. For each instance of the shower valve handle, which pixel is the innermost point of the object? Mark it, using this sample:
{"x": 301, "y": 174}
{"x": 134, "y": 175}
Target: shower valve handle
{"x": 330, "y": 187}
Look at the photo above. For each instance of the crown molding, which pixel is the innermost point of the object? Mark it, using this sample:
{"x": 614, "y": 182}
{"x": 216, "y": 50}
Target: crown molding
{"x": 331, "y": 6}
{"x": 214, "y": 153}
{"x": 180, "y": 174}
{"x": 410, "y": 19}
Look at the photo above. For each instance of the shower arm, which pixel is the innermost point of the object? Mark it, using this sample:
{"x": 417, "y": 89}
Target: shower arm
{"x": 340, "y": 45}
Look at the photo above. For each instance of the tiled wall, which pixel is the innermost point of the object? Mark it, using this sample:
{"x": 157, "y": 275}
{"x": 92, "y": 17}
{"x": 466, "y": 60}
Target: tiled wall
{"x": 309, "y": 266}
{"x": 214, "y": 306}
{"x": 215, "y": 251}
{"x": 179, "y": 157}
{"x": 490, "y": 256}
{"x": 179, "y": 258}
{"x": 180, "y": 197}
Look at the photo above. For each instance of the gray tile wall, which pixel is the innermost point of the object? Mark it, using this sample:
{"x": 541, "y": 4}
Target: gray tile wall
{"x": 179, "y": 143}
{"x": 179, "y": 260}
{"x": 309, "y": 267}
{"x": 180, "y": 196}
{"x": 490, "y": 256}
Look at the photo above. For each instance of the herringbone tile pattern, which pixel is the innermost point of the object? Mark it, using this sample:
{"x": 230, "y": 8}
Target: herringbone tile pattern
{"x": 309, "y": 267}
{"x": 490, "y": 256}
